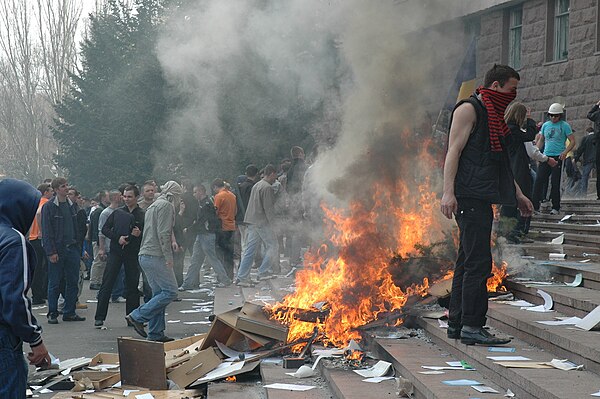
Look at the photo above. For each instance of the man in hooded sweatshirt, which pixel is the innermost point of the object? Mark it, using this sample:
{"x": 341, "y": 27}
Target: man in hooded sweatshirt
{"x": 156, "y": 260}
{"x": 18, "y": 205}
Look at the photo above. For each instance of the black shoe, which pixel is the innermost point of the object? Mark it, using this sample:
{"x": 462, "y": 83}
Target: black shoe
{"x": 164, "y": 338}
{"x": 453, "y": 332}
{"x": 525, "y": 240}
{"x": 481, "y": 337}
{"x": 52, "y": 319}
{"x": 98, "y": 323}
{"x": 137, "y": 326}
{"x": 95, "y": 287}
{"x": 74, "y": 317}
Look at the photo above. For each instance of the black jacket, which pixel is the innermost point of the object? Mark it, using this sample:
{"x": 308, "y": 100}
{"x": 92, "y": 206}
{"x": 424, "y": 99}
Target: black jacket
{"x": 94, "y": 219}
{"x": 295, "y": 177}
{"x": 53, "y": 226}
{"x": 207, "y": 220}
{"x": 519, "y": 160}
{"x": 588, "y": 149}
{"x": 483, "y": 174}
{"x": 594, "y": 116}
{"x": 120, "y": 223}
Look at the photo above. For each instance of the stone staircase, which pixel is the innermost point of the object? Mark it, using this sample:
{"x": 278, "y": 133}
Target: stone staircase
{"x": 532, "y": 340}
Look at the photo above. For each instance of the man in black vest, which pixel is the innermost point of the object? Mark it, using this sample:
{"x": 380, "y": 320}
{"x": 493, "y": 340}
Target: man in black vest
{"x": 477, "y": 174}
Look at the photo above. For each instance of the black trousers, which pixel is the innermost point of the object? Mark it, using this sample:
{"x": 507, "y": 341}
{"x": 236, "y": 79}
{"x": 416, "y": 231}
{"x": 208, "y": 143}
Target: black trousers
{"x": 597, "y": 169}
{"x": 544, "y": 172}
{"x": 469, "y": 298}
{"x": 117, "y": 258}
{"x": 39, "y": 282}
{"x": 225, "y": 250}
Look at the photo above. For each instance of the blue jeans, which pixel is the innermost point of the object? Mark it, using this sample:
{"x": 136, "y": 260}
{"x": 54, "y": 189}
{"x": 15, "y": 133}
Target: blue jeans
{"x": 585, "y": 176}
{"x": 164, "y": 290}
{"x": 256, "y": 234}
{"x": 13, "y": 368}
{"x": 204, "y": 247}
{"x": 67, "y": 267}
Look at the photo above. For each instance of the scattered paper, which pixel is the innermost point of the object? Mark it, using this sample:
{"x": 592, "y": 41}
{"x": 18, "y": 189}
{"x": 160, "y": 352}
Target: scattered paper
{"x": 222, "y": 370}
{"x": 190, "y": 311}
{"x": 303, "y": 372}
{"x": 38, "y": 307}
{"x": 328, "y": 352}
{"x": 501, "y": 349}
{"x": 173, "y": 321}
{"x": 596, "y": 394}
{"x": 577, "y": 281}
{"x": 377, "y": 380}
{"x": 459, "y": 383}
{"x": 104, "y": 367}
{"x": 353, "y": 346}
{"x": 591, "y": 320}
{"x": 564, "y": 365}
{"x": 66, "y": 371}
{"x": 546, "y": 307}
{"x": 558, "y": 241}
{"x": 439, "y": 368}
{"x": 484, "y": 389}
{"x": 92, "y": 301}
{"x": 566, "y": 217}
{"x": 509, "y": 394}
{"x": 507, "y": 358}
{"x": 442, "y": 323}
{"x": 197, "y": 322}
{"x": 571, "y": 321}
{"x": 524, "y": 365}
{"x": 378, "y": 370}
{"x": 454, "y": 364}
{"x": 290, "y": 387}
{"x": 557, "y": 256}
{"x": 144, "y": 396}
{"x": 520, "y": 302}
{"x": 126, "y": 392}
{"x": 432, "y": 372}
{"x": 584, "y": 261}
{"x": 233, "y": 355}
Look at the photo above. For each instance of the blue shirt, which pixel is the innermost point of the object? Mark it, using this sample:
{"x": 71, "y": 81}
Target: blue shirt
{"x": 555, "y": 136}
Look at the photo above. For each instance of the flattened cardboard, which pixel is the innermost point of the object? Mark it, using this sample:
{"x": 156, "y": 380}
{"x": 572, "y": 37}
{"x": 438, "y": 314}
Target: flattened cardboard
{"x": 104, "y": 358}
{"x": 142, "y": 363}
{"x": 183, "y": 342}
{"x": 197, "y": 366}
{"x": 223, "y": 330}
{"x": 441, "y": 289}
{"x": 100, "y": 379}
{"x": 591, "y": 321}
{"x": 252, "y": 319}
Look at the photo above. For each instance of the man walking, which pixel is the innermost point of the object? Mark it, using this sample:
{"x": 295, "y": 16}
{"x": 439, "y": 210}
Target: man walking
{"x": 61, "y": 239}
{"x": 156, "y": 260}
{"x": 295, "y": 180}
{"x": 477, "y": 174}
{"x": 225, "y": 202}
{"x": 18, "y": 205}
{"x": 124, "y": 229}
{"x": 260, "y": 218}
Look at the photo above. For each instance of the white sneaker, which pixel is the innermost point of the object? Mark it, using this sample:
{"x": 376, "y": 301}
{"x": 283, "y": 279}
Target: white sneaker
{"x": 119, "y": 300}
{"x": 554, "y": 212}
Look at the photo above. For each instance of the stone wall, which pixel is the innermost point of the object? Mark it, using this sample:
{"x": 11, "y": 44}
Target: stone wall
{"x": 576, "y": 79}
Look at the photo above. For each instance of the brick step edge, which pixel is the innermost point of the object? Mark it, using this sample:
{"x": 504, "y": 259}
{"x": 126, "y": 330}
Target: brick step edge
{"x": 408, "y": 355}
{"x": 567, "y": 342}
{"x": 525, "y": 383}
{"x": 584, "y": 301}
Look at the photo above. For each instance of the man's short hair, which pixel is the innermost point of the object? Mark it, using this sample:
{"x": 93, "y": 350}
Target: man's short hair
{"x": 57, "y": 182}
{"x": 251, "y": 170}
{"x": 149, "y": 183}
{"x": 500, "y": 74}
{"x": 42, "y": 188}
{"x": 114, "y": 195}
{"x": 200, "y": 186}
{"x": 72, "y": 188}
{"x": 269, "y": 170}
{"x": 296, "y": 152}
{"x": 101, "y": 195}
{"x": 134, "y": 188}
{"x": 218, "y": 182}
{"x": 48, "y": 181}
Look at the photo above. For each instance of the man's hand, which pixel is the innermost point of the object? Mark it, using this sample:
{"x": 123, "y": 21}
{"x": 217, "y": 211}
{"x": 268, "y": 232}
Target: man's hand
{"x": 524, "y": 204}
{"x": 449, "y": 206}
{"x": 176, "y": 247}
{"x": 39, "y": 356}
{"x": 170, "y": 264}
{"x": 53, "y": 258}
{"x": 123, "y": 241}
{"x": 102, "y": 254}
{"x": 136, "y": 232}
{"x": 552, "y": 162}
{"x": 563, "y": 155}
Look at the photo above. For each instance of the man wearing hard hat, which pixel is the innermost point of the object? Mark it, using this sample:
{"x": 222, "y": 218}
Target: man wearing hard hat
{"x": 554, "y": 135}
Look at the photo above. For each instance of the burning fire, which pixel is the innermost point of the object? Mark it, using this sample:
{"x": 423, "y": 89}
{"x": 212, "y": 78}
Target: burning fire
{"x": 499, "y": 274}
{"x": 356, "y": 281}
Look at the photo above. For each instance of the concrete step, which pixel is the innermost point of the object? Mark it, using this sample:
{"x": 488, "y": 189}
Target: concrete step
{"x": 346, "y": 384}
{"x": 575, "y": 219}
{"x": 540, "y": 250}
{"x": 580, "y": 209}
{"x": 566, "y": 342}
{"x": 567, "y": 270}
{"x": 575, "y": 228}
{"x": 407, "y": 357}
{"x": 572, "y": 301}
{"x": 587, "y": 239}
{"x": 525, "y": 383}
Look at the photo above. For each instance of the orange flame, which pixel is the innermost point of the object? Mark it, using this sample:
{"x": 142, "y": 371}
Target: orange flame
{"x": 231, "y": 379}
{"x": 499, "y": 274}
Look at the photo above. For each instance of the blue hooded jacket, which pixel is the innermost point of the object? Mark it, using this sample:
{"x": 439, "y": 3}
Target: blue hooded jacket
{"x": 18, "y": 205}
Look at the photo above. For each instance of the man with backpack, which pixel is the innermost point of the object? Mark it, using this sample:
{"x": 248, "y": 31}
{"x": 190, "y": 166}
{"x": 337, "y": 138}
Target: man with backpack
{"x": 204, "y": 228}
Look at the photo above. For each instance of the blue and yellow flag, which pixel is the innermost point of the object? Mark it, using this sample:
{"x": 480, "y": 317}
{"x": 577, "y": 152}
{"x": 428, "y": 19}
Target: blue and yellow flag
{"x": 464, "y": 83}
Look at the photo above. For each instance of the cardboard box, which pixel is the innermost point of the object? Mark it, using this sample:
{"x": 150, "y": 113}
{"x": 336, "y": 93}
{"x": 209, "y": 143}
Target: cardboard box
{"x": 99, "y": 379}
{"x": 197, "y": 366}
{"x": 224, "y": 330}
{"x": 253, "y": 319}
{"x": 144, "y": 363}
{"x": 104, "y": 358}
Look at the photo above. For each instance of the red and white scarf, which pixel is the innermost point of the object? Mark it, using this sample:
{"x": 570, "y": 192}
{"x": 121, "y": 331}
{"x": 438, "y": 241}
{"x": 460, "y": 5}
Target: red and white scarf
{"x": 495, "y": 104}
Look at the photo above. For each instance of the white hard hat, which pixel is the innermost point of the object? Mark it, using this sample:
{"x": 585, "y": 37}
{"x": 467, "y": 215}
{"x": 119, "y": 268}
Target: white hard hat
{"x": 556, "y": 108}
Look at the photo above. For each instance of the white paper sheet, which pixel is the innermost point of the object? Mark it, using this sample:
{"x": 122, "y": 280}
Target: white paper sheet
{"x": 290, "y": 387}
{"x": 377, "y": 380}
{"x": 546, "y": 307}
{"x": 555, "y": 256}
{"x": 577, "y": 281}
{"x": 144, "y": 396}
{"x": 459, "y": 383}
{"x": 190, "y": 311}
{"x": 520, "y": 302}
{"x": 126, "y": 392}
{"x": 584, "y": 261}
{"x": 566, "y": 217}
{"x": 596, "y": 394}
{"x": 173, "y": 321}
{"x": 509, "y": 394}
{"x": 432, "y": 372}
{"x": 571, "y": 321}
{"x": 558, "y": 240}
{"x": 222, "y": 370}
{"x": 484, "y": 389}
{"x": 454, "y": 364}
{"x": 439, "y": 368}
{"x": 508, "y": 358}
{"x": 565, "y": 365}
{"x": 197, "y": 322}
{"x": 378, "y": 370}
{"x": 591, "y": 320}
{"x": 442, "y": 323}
